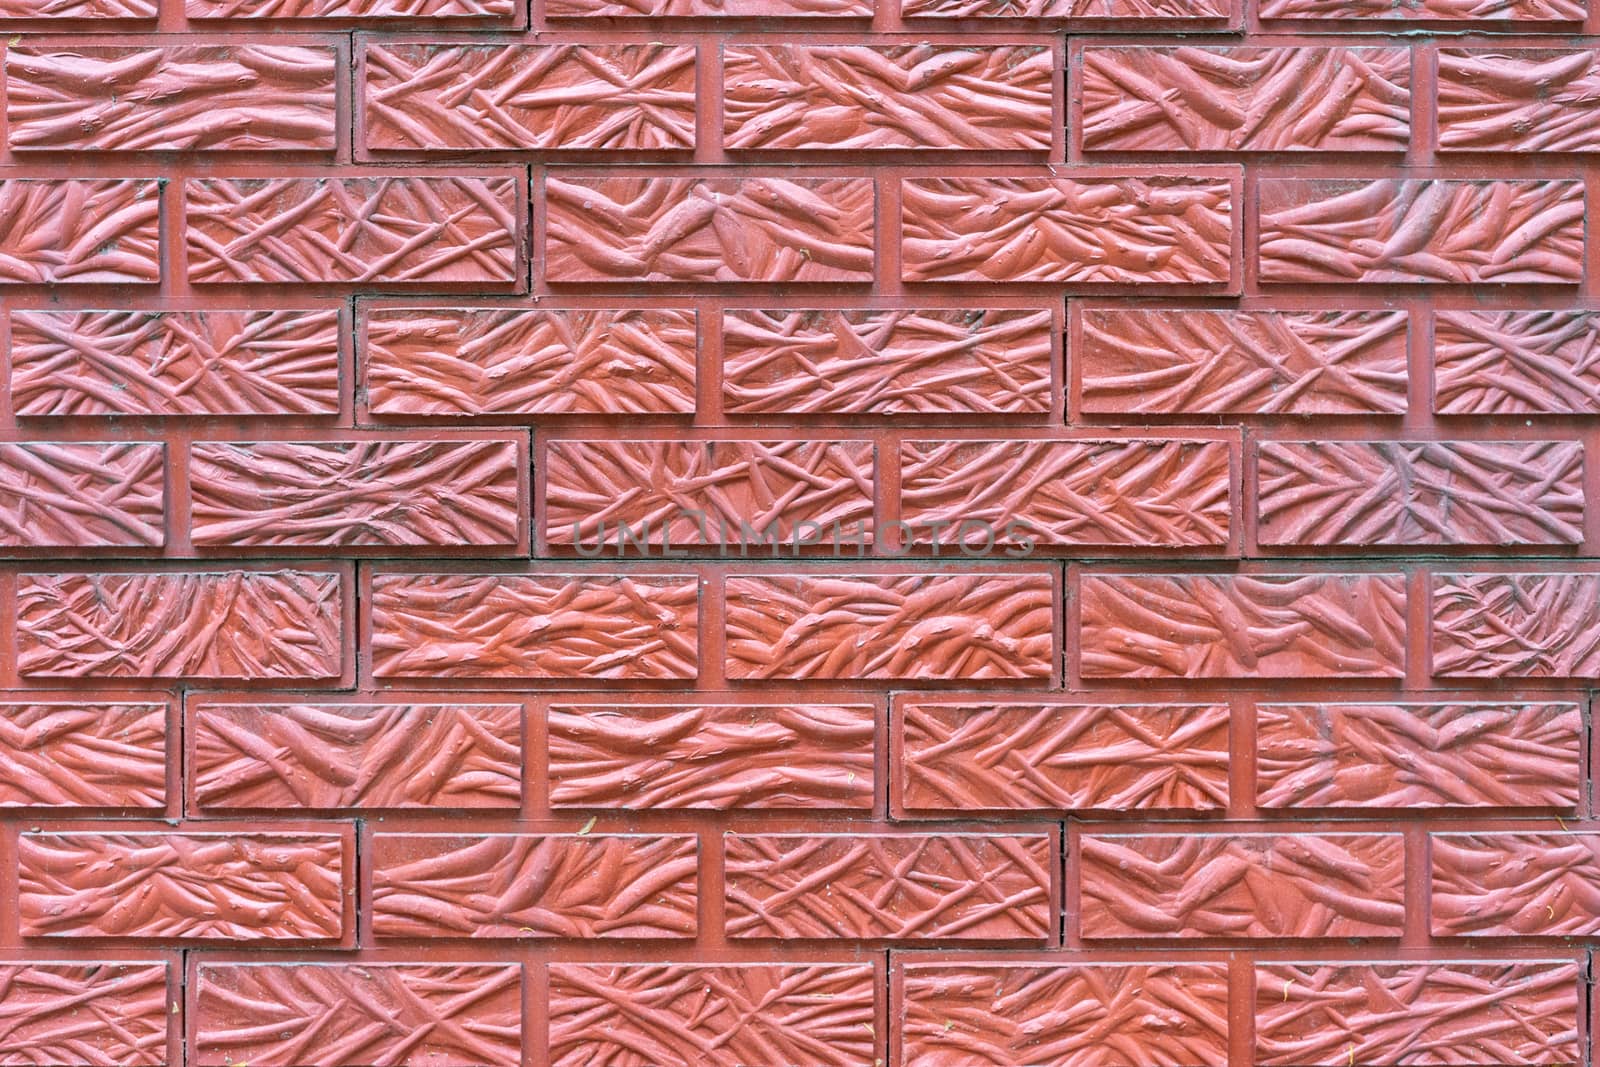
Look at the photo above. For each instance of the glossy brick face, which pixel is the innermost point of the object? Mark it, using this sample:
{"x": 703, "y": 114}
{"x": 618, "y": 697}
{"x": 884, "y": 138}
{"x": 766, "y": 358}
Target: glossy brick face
{"x": 799, "y": 533}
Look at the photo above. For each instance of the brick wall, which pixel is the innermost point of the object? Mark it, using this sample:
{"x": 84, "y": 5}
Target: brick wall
{"x": 1175, "y": 417}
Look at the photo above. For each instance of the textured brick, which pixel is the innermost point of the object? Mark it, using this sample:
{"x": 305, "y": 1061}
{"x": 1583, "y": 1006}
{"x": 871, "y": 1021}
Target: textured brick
{"x": 922, "y": 96}
{"x": 79, "y": 231}
{"x": 1155, "y": 230}
{"x": 1516, "y": 625}
{"x": 1384, "y": 755}
{"x": 1515, "y": 363}
{"x": 990, "y": 1014}
{"x": 911, "y": 887}
{"x": 194, "y": 99}
{"x": 143, "y": 10}
{"x": 247, "y": 625}
{"x": 391, "y": 230}
{"x": 653, "y": 229}
{"x": 1067, "y": 493}
{"x": 1416, "y": 230}
{"x": 1311, "y": 625}
{"x": 716, "y": 1016}
{"x": 81, "y": 496}
{"x": 1516, "y": 884}
{"x": 502, "y": 362}
{"x": 711, "y": 756}
{"x": 951, "y": 625}
{"x": 1420, "y": 493}
{"x": 424, "y": 12}
{"x": 1511, "y": 1011}
{"x": 467, "y": 98}
{"x": 1511, "y": 14}
{"x": 83, "y": 754}
{"x": 1047, "y": 757}
{"x": 533, "y": 886}
{"x": 238, "y": 887}
{"x": 583, "y": 9}
{"x": 1517, "y": 100}
{"x": 1279, "y": 99}
{"x": 339, "y": 756}
{"x": 534, "y": 626}
{"x": 84, "y": 1014}
{"x": 348, "y": 1014}
{"x": 328, "y": 494}
{"x": 901, "y": 362}
{"x": 1284, "y": 885}
{"x": 175, "y": 362}
{"x": 1165, "y": 361}
{"x": 676, "y": 493}
{"x": 1119, "y": 10}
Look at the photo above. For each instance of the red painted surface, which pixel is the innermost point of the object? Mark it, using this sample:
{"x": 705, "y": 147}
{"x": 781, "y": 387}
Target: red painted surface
{"x": 1175, "y": 420}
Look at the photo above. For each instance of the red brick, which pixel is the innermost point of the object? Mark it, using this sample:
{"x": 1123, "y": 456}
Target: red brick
{"x": 82, "y": 496}
{"x": 1389, "y": 230}
{"x": 143, "y": 10}
{"x": 1151, "y": 231}
{"x": 715, "y": 1016}
{"x": 248, "y": 625}
{"x": 175, "y": 362}
{"x": 350, "y": 1014}
{"x": 424, "y": 12}
{"x": 1516, "y": 625}
{"x": 1280, "y": 99}
{"x": 378, "y": 231}
{"x": 921, "y": 96}
{"x": 1420, "y": 493}
{"x": 1166, "y": 361}
{"x": 238, "y": 887}
{"x": 1508, "y": 1011}
{"x": 534, "y": 626}
{"x": 326, "y": 494}
{"x": 653, "y": 229}
{"x": 895, "y": 362}
{"x": 525, "y": 97}
{"x": 1283, "y": 885}
{"x": 677, "y": 492}
{"x": 585, "y": 9}
{"x": 1094, "y": 1014}
{"x": 470, "y": 362}
{"x": 534, "y": 886}
{"x": 1498, "y": 14}
{"x": 1138, "y": 494}
{"x": 341, "y": 756}
{"x": 1517, "y": 100}
{"x": 1134, "y": 11}
{"x": 907, "y": 887}
{"x": 1383, "y": 755}
{"x": 83, "y": 754}
{"x": 80, "y": 231}
{"x": 1308, "y": 625}
{"x": 1047, "y": 757}
{"x": 730, "y": 757}
{"x": 1516, "y": 884}
{"x": 84, "y": 1014}
{"x": 1515, "y": 363}
{"x": 952, "y": 625}
{"x": 194, "y": 99}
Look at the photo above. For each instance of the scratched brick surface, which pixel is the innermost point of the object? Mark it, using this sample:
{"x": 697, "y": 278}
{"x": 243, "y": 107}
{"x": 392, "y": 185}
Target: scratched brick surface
{"x": 94, "y": 1014}
{"x": 509, "y": 886}
{"x": 799, "y": 533}
{"x": 171, "y": 99}
{"x": 1245, "y": 99}
{"x": 997, "y": 1013}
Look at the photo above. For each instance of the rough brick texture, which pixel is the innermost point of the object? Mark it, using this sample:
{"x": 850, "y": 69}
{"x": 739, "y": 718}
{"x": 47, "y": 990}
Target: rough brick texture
{"x": 799, "y": 533}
